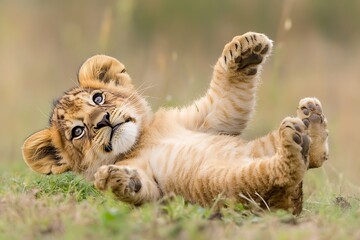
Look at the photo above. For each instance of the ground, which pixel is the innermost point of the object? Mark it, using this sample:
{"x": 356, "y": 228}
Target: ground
{"x": 67, "y": 207}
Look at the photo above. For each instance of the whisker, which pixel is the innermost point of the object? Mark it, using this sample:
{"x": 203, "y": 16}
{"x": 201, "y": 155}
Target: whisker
{"x": 77, "y": 84}
{"x": 146, "y": 88}
{"x": 142, "y": 91}
{"x": 147, "y": 96}
{"x": 44, "y": 114}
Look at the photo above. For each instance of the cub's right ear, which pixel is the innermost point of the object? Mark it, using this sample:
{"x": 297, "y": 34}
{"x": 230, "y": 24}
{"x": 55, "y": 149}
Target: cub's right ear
{"x": 101, "y": 71}
{"x": 42, "y": 156}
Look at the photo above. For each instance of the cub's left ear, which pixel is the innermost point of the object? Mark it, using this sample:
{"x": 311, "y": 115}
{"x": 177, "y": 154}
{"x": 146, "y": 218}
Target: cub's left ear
{"x": 42, "y": 156}
{"x": 102, "y": 71}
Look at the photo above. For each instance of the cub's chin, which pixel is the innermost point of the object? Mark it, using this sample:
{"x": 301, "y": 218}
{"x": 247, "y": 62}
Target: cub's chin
{"x": 124, "y": 137}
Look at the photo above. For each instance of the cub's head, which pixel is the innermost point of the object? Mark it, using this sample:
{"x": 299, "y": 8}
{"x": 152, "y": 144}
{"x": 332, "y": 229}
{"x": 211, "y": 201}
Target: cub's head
{"x": 92, "y": 124}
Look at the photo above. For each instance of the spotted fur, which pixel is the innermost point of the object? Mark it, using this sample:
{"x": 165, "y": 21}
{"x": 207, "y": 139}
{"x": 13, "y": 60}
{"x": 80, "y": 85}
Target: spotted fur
{"x": 105, "y": 130}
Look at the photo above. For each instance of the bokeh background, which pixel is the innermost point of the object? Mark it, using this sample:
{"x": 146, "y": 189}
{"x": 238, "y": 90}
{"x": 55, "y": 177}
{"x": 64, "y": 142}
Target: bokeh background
{"x": 169, "y": 48}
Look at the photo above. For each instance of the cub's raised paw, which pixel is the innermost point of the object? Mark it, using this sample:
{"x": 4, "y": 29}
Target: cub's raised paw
{"x": 311, "y": 113}
{"x": 123, "y": 181}
{"x": 295, "y": 140}
{"x": 244, "y": 53}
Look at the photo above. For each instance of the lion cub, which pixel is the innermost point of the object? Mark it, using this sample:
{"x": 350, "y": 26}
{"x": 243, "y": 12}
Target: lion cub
{"x": 105, "y": 129}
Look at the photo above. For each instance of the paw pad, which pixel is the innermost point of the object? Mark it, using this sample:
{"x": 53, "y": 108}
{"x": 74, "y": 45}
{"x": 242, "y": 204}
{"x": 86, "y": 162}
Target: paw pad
{"x": 135, "y": 185}
{"x": 293, "y": 130}
{"x": 305, "y": 146}
{"x": 244, "y": 61}
{"x": 258, "y": 47}
{"x": 297, "y": 138}
{"x": 265, "y": 50}
{"x": 310, "y": 111}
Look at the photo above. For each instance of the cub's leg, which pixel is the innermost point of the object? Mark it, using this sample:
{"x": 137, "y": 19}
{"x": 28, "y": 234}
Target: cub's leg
{"x": 289, "y": 165}
{"x": 269, "y": 179}
{"x": 230, "y": 100}
{"x": 291, "y": 159}
{"x": 311, "y": 113}
{"x": 128, "y": 184}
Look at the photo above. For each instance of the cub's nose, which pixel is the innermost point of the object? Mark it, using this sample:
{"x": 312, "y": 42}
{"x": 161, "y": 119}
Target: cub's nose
{"x": 105, "y": 121}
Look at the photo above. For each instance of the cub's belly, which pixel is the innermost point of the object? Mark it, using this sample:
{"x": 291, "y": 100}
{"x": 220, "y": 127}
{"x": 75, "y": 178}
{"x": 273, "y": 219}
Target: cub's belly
{"x": 196, "y": 168}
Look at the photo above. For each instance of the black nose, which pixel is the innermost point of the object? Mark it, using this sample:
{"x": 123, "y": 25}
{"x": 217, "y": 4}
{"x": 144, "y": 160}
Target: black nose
{"x": 105, "y": 121}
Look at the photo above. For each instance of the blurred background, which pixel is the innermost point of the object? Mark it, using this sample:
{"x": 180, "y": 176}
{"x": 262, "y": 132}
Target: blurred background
{"x": 169, "y": 48}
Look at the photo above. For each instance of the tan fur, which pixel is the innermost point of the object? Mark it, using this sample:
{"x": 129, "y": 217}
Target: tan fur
{"x": 196, "y": 151}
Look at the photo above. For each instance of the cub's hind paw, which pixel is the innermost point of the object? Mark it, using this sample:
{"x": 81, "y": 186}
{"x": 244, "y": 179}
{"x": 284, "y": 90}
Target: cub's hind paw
{"x": 244, "y": 53}
{"x": 294, "y": 138}
{"x": 123, "y": 181}
{"x": 311, "y": 113}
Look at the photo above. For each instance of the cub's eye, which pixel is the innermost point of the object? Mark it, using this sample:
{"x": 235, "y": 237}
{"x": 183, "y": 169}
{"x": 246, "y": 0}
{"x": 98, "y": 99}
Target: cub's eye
{"x": 77, "y": 132}
{"x": 98, "y": 98}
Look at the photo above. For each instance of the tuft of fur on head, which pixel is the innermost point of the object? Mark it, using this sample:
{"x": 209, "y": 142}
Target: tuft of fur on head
{"x": 93, "y": 124}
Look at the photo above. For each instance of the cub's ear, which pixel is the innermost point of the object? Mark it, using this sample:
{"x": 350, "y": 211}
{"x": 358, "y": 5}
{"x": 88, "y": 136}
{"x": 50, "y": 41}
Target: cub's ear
{"x": 42, "y": 156}
{"x": 101, "y": 71}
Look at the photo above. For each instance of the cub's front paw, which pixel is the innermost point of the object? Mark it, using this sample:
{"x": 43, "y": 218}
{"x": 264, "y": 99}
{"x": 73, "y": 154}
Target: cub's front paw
{"x": 311, "y": 113}
{"x": 244, "y": 53}
{"x": 123, "y": 181}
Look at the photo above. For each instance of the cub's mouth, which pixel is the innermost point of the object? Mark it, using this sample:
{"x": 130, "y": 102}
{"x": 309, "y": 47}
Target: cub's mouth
{"x": 116, "y": 130}
{"x": 108, "y": 147}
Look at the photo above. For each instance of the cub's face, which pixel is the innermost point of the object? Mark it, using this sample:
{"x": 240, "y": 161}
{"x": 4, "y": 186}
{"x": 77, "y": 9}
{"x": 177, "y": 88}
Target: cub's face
{"x": 91, "y": 125}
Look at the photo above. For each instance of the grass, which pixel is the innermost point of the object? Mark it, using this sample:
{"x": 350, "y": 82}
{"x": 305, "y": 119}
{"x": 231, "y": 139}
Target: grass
{"x": 305, "y": 62}
{"x": 67, "y": 207}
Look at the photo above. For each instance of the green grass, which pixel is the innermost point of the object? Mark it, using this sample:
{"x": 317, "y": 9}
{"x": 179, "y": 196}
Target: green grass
{"x": 67, "y": 207}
